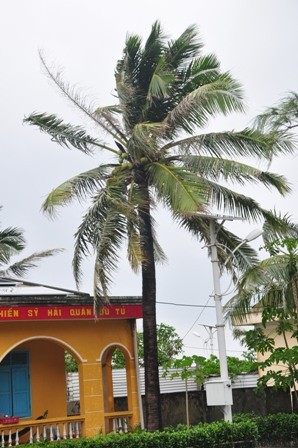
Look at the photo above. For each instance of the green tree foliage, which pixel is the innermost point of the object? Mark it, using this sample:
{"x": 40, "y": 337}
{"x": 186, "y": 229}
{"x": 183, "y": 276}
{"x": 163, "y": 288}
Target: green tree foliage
{"x": 12, "y": 244}
{"x": 201, "y": 368}
{"x": 71, "y": 364}
{"x": 169, "y": 345}
{"x": 167, "y": 91}
{"x": 270, "y": 288}
{"x": 281, "y": 362}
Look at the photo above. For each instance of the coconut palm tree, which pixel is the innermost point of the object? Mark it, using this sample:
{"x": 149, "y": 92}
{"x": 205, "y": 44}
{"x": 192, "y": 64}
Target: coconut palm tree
{"x": 12, "y": 243}
{"x": 165, "y": 90}
{"x": 271, "y": 283}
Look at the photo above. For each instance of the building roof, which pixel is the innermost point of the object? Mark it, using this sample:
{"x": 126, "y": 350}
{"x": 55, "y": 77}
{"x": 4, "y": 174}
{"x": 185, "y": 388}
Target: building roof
{"x": 15, "y": 292}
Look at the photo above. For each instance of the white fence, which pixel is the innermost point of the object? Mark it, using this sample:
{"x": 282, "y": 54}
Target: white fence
{"x": 167, "y": 386}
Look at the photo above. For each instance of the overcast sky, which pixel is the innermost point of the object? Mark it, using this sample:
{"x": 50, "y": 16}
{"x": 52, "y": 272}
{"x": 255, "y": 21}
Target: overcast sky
{"x": 256, "y": 40}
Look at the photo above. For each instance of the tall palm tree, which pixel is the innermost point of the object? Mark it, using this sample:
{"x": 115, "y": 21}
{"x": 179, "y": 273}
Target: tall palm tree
{"x": 12, "y": 243}
{"x": 165, "y": 91}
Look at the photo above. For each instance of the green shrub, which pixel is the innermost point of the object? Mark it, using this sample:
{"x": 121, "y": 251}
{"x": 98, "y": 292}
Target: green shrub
{"x": 246, "y": 431}
{"x": 278, "y": 428}
{"x": 214, "y": 435}
{"x": 273, "y": 428}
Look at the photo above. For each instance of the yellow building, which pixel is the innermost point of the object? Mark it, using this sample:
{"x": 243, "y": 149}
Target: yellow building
{"x": 37, "y": 325}
{"x": 254, "y": 318}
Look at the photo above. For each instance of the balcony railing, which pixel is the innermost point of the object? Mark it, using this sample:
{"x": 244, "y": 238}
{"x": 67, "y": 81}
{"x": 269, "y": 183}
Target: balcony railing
{"x": 49, "y": 429}
{"x": 119, "y": 422}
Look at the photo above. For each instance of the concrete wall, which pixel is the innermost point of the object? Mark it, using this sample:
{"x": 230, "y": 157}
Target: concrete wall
{"x": 245, "y": 400}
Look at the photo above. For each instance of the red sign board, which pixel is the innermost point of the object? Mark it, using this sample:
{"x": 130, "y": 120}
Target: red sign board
{"x": 76, "y": 312}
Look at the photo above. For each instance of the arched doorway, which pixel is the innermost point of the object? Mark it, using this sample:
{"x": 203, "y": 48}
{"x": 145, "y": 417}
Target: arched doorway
{"x": 33, "y": 378}
{"x": 120, "y": 421}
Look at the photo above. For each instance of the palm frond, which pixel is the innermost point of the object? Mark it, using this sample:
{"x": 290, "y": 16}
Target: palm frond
{"x": 78, "y": 187}
{"x": 230, "y": 202}
{"x": 84, "y": 237}
{"x": 74, "y": 96}
{"x": 111, "y": 202}
{"x": 201, "y": 70}
{"x": 282, "y": 117}
{"x": 12, "y": 241}
{"x": 282, "y": 226}
{"x": 160, "y": 84}
{"x": 128, "y": 67}
{"x": 107, "y": 113}
{"x": 21, "y": 268}
{"x": 232, "y": 171}
{"x": 126, "y": 75}
{"x": 159, "y": 254}
{"x": 143, "y": 141}
{"x": 223, "y": 95}
{"x": 150, "y": 57}
{"x": 199, "y": 226}
{"x": 134, "y": 252}
{"x": 109, "y": 241}
{"x": 183, "y": 49}
{"x": 180, "y": 189}
{"x": 266, "y": 283}
{"x": 64, "y": 133}
{"x": 245, "y": 143}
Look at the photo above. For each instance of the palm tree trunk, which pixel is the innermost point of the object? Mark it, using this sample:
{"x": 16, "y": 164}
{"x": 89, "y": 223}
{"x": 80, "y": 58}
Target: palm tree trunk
{"x": 152, "y": 393}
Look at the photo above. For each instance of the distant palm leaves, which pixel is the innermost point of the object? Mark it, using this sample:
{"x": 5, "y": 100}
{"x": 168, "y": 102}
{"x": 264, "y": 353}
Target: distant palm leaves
{"x": 12, "y": 243}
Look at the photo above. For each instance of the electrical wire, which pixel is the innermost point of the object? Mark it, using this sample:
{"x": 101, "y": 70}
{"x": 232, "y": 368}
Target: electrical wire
{"x": 205, "y": 306}
{"x": 185, "y": 304}
{"x": 209, "y": 349}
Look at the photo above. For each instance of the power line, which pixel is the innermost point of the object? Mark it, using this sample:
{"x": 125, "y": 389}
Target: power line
{"x": 229, "y": 308}
{"x": 185, "y": 304}
{"x": 197, "y": 318}
{"x": 208, "y": 349}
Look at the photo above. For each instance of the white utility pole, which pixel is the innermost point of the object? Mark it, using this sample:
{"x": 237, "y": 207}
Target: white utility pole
{"x": 219, "y": 392}
{"x": 220, "y": 325}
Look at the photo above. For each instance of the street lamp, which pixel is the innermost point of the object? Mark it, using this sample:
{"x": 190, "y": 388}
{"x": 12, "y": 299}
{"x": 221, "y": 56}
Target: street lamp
{"x": 210, "y": 330}
{"x": 221, "y": 393}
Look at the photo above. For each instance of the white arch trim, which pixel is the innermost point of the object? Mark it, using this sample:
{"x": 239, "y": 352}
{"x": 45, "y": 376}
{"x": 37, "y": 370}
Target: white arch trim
{"x": 112, "y": 344}
{"x": 50, "y": 338}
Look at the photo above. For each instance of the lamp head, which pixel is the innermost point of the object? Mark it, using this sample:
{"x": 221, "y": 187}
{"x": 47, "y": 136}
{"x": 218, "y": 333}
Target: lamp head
{"x": 254, "y": 234}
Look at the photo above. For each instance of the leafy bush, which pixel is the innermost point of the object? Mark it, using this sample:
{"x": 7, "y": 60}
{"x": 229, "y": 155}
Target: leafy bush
{"x": 246, "y": 431}
{"x": 275, "y": 428}
{"x": 278, "y": 428}
{"x": 214, "y": 435}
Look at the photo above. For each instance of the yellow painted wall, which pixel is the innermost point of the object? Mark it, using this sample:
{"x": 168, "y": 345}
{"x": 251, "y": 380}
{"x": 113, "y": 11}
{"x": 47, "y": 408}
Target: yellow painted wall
{"x": 279, "y": 342}
{"x": 86, "y": 341}
{"x": 47, "y": 378}
{"x": 255, "y": 318}
{"x": 87, "y": 338}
